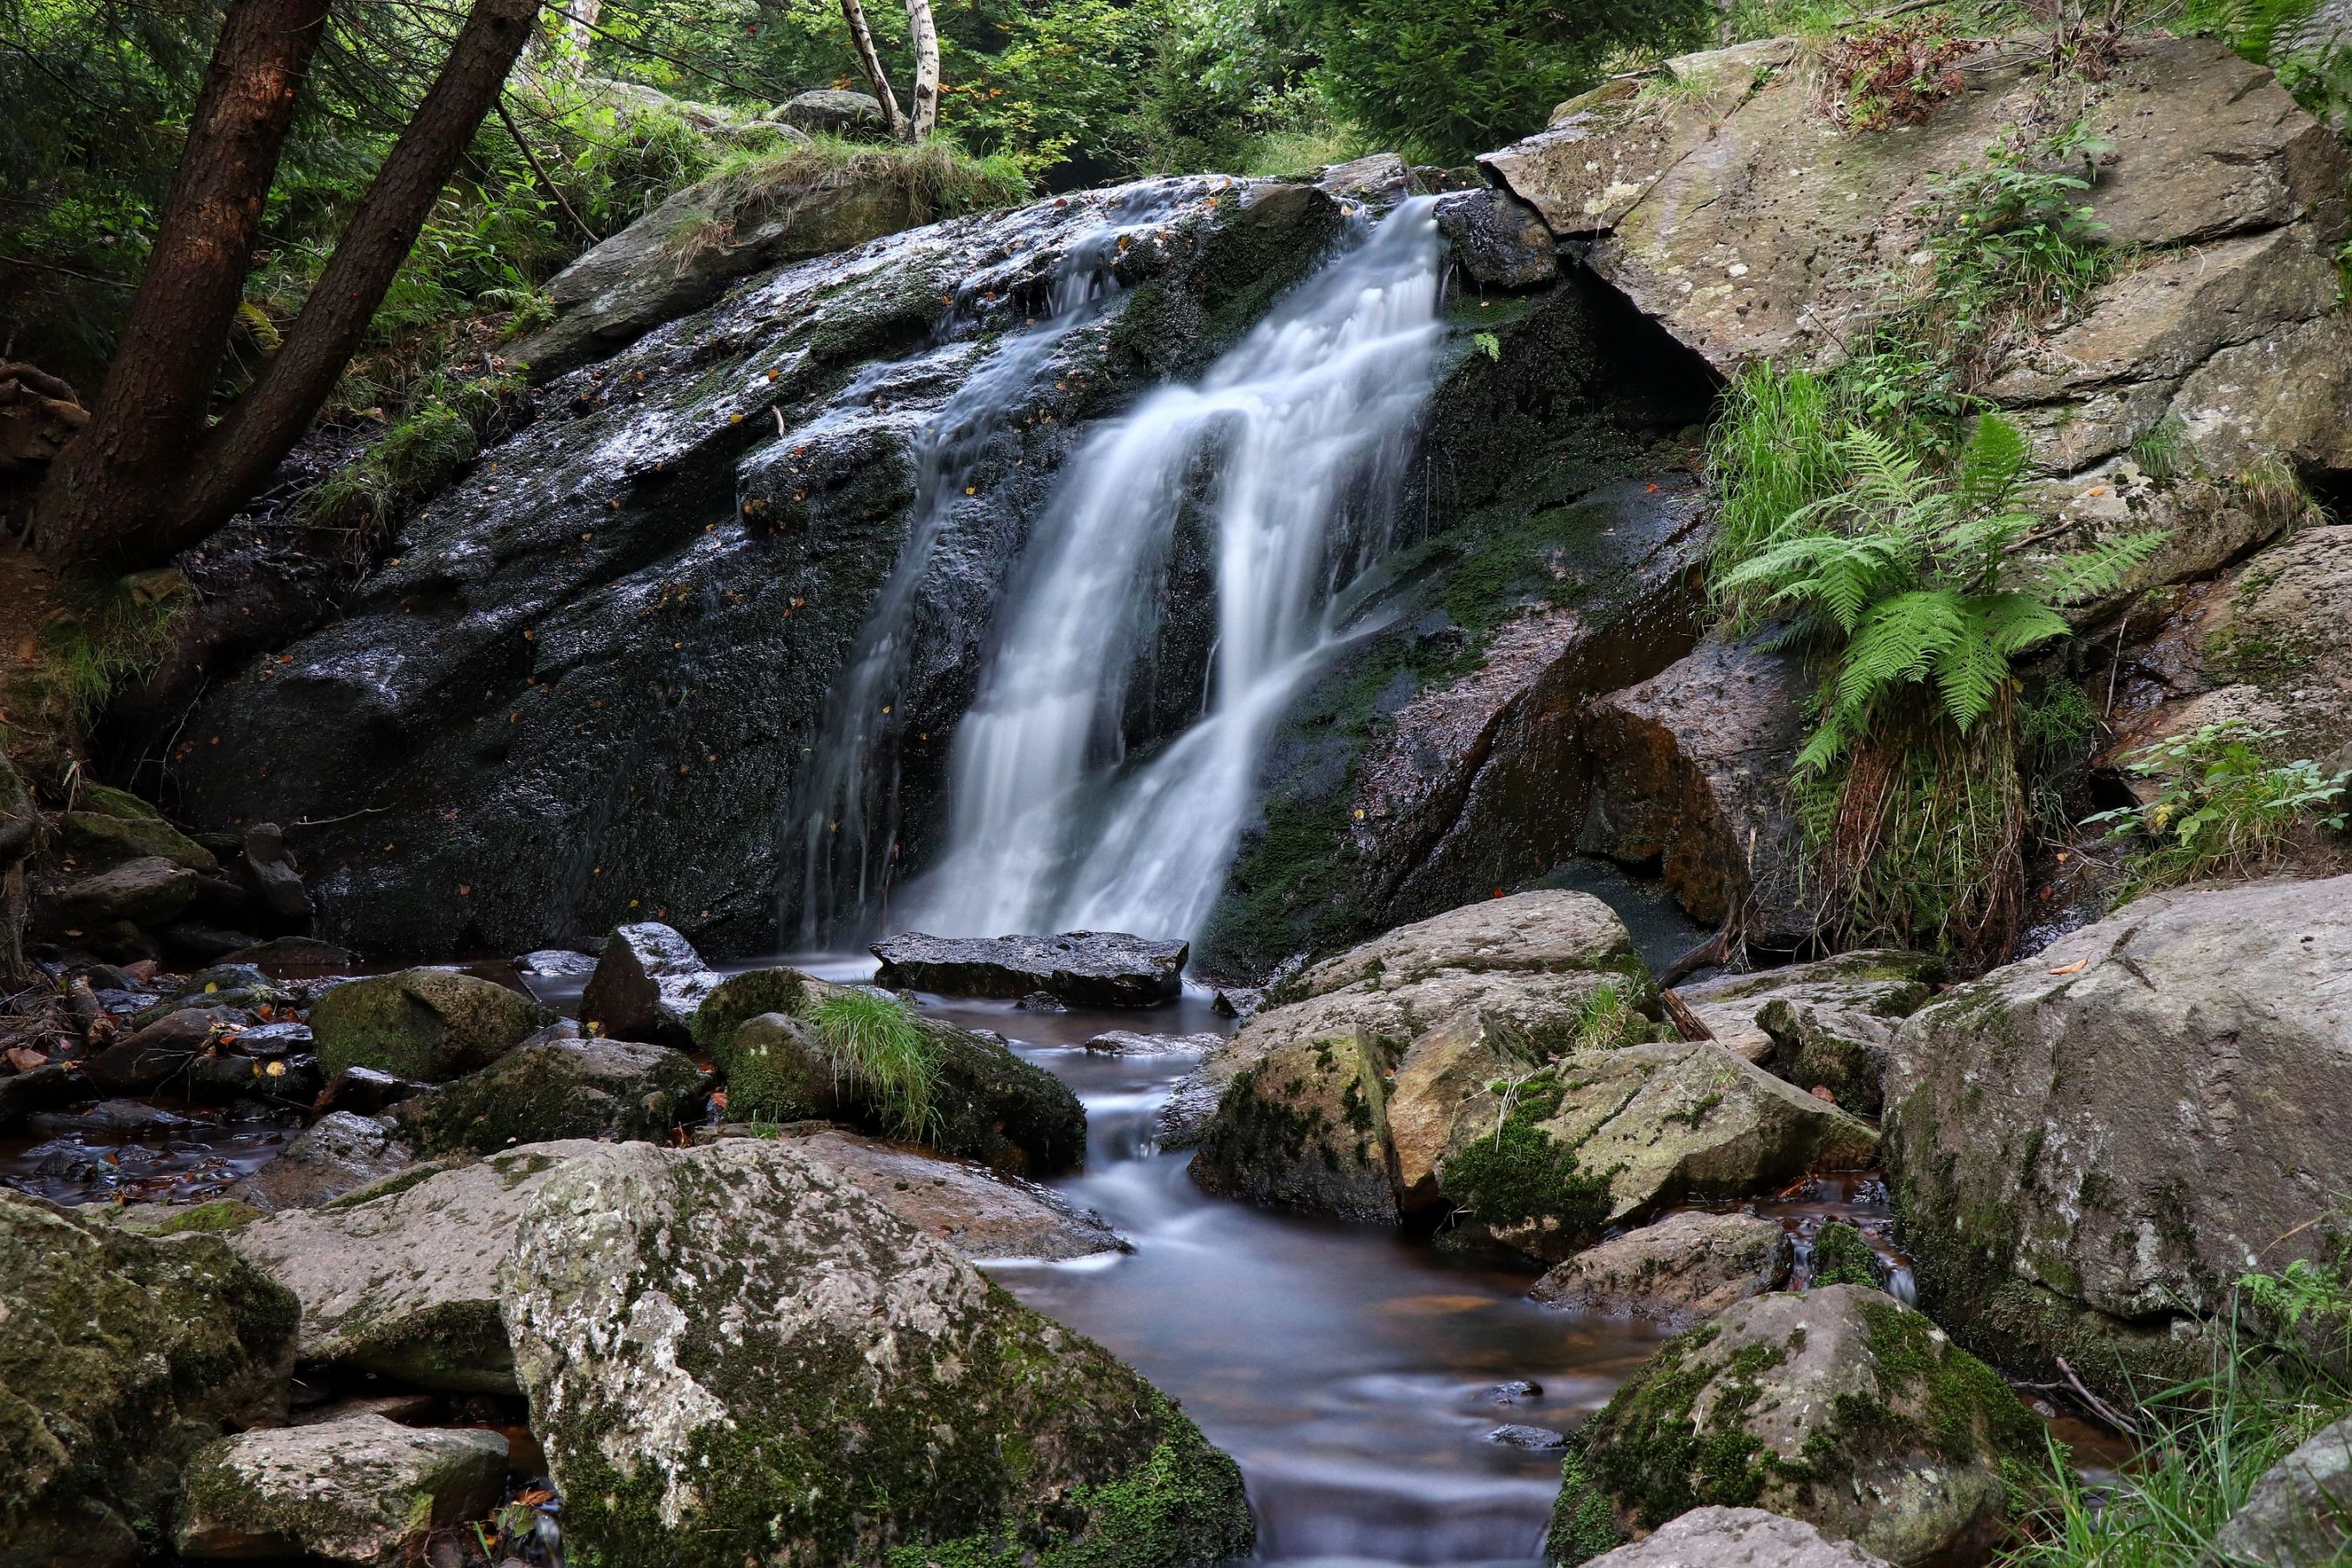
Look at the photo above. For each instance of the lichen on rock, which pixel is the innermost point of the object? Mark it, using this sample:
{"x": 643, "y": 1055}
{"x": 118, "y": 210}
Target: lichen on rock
{"x": 732, "y": 1351}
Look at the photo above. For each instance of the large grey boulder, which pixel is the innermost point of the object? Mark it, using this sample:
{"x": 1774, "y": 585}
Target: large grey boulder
{"x": 830, "y": 111}
{"x": 1683, "y": 1267}
{"x": 555, "y": 1086}
{"x": 123, "y": 1355}
{"x": 1505, "y": 1047}
{"x": 647, "y": 983}
{"x": 2299, "y": 1515}
{"x": 401, "y": 1280}
{"x": 1825, "y": 1024}
{"x": 1737, "y": 1538}
{"x": 423, "y": 1024}
{"x": 1082, "y": 968}
{"x": 360, "y": 1492}
{"x": 1838, "y": 1407}
{"x": 148, "y": 891}
{"x": 795, "y": 1371}
{"x": 2088, "y": 1147}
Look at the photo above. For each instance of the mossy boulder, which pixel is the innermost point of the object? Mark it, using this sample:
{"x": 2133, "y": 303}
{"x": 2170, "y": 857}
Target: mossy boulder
{"x": 986, "y": 1103}
{"x": 340, "y": 1153}
{"x": 1838, "y": 1407}
{"x": 425, "y": 1024}
{"x": 360, "y": 1491}
{"x": 556, "y": 1087}
{"x": 119, "y": 1355}
{"x": 1823, "y": 1024}
{"x": 733, "y": 1353}
{"x": 400, "y": 1278}
{"x": 1373, "y": 1069}
{"x": 104, "y": 838}
{"x": 2087, "y": 1148}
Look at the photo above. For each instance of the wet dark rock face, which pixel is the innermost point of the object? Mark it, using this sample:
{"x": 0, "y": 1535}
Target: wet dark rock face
{"x": 1079, "y": 968}
{"x": 582, "y": 689}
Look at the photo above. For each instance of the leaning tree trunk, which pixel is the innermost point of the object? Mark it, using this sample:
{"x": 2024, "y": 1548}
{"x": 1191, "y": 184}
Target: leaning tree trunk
{"x": 264, "y": 426}
{"x": 105, "y": 486}
{"x": 926, "y": 116}
{"x": 869, "y": 60}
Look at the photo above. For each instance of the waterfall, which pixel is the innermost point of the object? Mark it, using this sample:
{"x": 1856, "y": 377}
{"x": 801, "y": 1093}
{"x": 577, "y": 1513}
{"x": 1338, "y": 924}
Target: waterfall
{"x": 845, "y": 811}
{"x": 1294, "y": 444}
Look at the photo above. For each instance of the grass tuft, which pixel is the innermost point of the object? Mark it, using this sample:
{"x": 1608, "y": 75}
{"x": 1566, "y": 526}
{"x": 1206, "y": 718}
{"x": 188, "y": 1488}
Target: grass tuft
{"x": 876, "y": 1044}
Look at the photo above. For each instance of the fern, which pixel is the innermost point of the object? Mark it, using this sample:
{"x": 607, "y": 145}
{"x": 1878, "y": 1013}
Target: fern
{"x": 1918, "y": 577}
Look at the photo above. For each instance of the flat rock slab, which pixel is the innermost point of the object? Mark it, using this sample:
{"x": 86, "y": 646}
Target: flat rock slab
{"x": 1128, "y": 1043}
{"x": 1085, "y": 969}
{"x": 1738, "y": 1537}
{"x": 2300, "y": 1513}
{"x": 971, "y": 1208}
{"x": 401, "y": 1280}
{"x": 359, "y": 1491}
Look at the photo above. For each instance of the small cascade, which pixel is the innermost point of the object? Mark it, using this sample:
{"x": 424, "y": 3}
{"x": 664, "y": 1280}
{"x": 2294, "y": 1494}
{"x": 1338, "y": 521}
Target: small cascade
{"x": 1293, "y": 446}
{"x": 847, "y": 808}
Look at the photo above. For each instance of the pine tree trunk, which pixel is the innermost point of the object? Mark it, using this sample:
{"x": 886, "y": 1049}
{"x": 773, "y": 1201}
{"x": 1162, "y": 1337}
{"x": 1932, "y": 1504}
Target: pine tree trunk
{"x": 150, "y": 415}
{"x": 263, "y": 428}
{"x": 926, "y": 116}
{"x": 869, "y": 60}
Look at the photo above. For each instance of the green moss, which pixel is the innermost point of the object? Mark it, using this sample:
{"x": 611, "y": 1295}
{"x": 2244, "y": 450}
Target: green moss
{"x": 1651, "y": 1451}
{"x": 1519, "y": 1174}
{"x": 1583, "y": 1521}
{"x": 1842, "y": 1256}
{"x": 741, "y": 997}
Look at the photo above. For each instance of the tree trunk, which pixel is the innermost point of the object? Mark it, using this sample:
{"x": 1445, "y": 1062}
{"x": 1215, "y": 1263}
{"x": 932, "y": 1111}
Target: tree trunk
{"x": 869, "y": 60}
{"x": 150, "y": 414}
{"x": 926, "y": 118}
{"x": 264, "y": 426}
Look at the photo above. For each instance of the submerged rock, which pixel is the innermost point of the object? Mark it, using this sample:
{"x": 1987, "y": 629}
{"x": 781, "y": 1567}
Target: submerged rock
{"x": 1081, "y": 968}
{"x": 1737, "y": 1538}
{"x": 1128, "y": 1043}
{"x": 123, "y": 1355}
{"x": 1684, "y": 1268}
{"x": 803, "y": 1371}
{"x": 646, "y": 986}
{"x": 1840, "y": 1407}
{"x": 2297, "y": 1515}
{"x": 359, "y": 1491}
{"x": 2087, "y": 1148}
{"x": 340, "y": 1153}
{"x": 426, "y": 1024}
{"x": 554, "y": 1087}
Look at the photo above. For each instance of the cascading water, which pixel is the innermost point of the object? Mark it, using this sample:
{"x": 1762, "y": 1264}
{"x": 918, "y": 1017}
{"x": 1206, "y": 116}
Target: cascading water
{"x": 847, "y": 808}
{"x": 1302, "y": 430}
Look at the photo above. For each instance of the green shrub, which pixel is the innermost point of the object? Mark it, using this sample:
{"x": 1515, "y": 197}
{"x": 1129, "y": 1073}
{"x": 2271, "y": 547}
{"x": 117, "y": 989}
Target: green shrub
{"x": 2223, "y": 806}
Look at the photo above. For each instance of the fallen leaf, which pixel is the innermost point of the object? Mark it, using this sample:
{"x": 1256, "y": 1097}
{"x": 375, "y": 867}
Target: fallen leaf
{"x": 2076, "y": 967}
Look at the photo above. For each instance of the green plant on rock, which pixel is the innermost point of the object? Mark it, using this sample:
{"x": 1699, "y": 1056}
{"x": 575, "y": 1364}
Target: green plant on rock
{"x": 1521, "y": 1175}
{"x": 1843, "y": 1255}
{"x": 2223, "y": 806}
{"x": 1920, "y": 581}
{"x": 876, "y": 1044}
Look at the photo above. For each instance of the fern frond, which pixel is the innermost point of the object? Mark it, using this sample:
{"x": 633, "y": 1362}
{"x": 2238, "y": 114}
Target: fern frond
{"x": 2102, "y": 569}
{"x": 1990, "y": 463}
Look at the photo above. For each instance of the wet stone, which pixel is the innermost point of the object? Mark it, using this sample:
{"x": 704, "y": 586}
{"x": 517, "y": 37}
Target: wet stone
{"x": 1084, "y": 968}
{"x": 1518, "y": 1437}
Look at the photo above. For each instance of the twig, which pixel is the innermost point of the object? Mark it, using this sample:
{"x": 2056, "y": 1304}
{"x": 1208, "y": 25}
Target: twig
{"x": 53, "y": 267}
{"x": 2096, "y": 1405}
{"x": 328, "y": 821}
{"x": 1678, "y": 1012}
{"x": 532, "y": 159}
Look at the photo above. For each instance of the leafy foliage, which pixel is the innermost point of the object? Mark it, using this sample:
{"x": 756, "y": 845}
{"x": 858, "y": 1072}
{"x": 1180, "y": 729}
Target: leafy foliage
{"x": 1921, "y": 579}
{"x": 1441, "y": 79}
{"x": 2222, "y": 806}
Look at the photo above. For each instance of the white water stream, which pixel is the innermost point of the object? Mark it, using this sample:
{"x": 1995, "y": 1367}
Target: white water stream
{"x": 1292, "y": 445}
